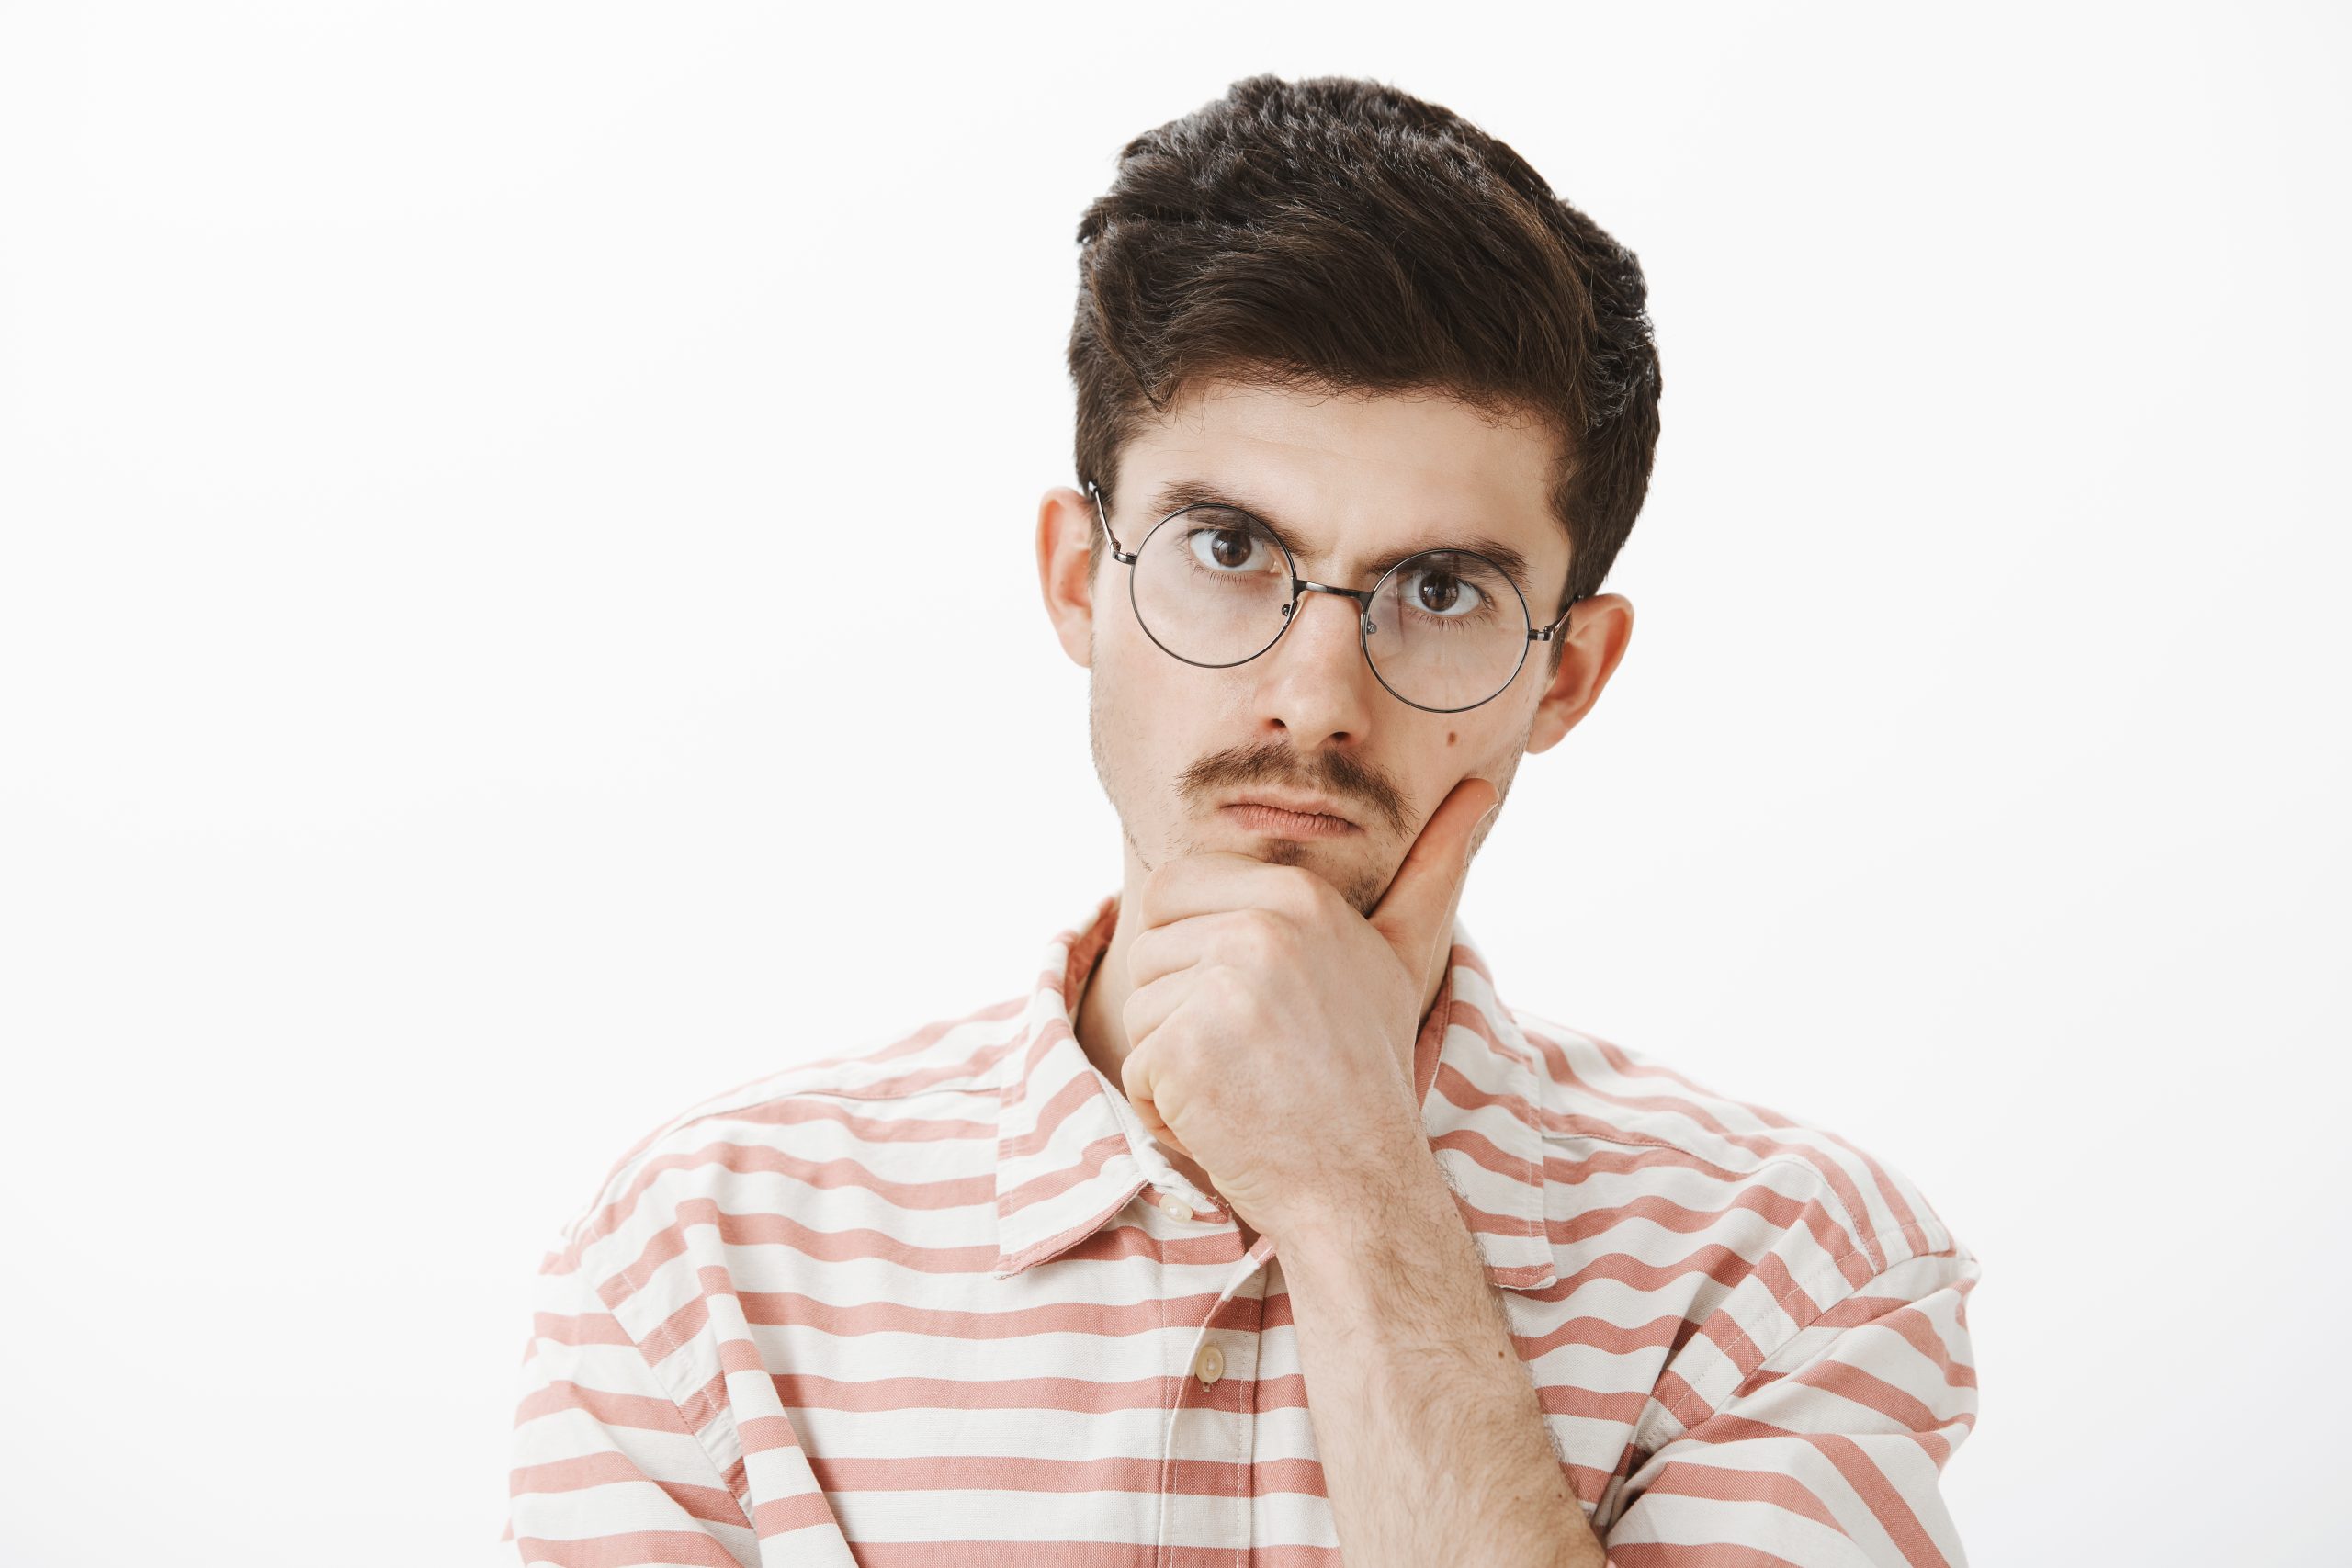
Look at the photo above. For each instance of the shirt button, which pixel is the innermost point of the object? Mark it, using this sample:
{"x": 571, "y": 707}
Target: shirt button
{"x": 1210, "y": 1366}
{"x": 1175, "y": 1208}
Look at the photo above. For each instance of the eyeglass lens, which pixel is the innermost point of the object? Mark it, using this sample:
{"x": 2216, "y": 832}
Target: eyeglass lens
{"x": 1447, "y": 630}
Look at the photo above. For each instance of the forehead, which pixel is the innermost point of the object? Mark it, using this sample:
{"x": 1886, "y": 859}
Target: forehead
{"x": 1364, "y": 461}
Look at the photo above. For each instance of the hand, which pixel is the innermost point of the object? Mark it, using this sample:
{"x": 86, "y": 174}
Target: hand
{"x": 1270, "y": 1027}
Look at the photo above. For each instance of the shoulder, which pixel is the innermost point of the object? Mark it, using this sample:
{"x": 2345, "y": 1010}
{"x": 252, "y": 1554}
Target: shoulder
{"x": 1771, "y": 1238}
{"x": 801, "y": 1122}
{"x": 1599, "y": 1096}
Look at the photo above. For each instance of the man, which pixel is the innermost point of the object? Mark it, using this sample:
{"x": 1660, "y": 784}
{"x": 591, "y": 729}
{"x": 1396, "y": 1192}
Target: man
{"x": 1261, "y": 1229}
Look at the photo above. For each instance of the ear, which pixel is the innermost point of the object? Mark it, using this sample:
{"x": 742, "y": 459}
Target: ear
{"x": 1598, "y": 632}
{"x": 1066, "y": 527}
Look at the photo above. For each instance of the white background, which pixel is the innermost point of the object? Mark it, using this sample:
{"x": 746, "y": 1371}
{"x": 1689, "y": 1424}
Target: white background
{"x": 445, "y": 735}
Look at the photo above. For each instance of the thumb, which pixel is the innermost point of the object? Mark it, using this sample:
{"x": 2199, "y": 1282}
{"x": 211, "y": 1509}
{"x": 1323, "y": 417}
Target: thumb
{"x": 1417, "y": 912}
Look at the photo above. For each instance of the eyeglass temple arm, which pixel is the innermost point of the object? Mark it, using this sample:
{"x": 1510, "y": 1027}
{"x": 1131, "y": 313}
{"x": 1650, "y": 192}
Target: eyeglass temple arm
{"x": 1543, "y": 634}
{"x": 1122, "y": 556}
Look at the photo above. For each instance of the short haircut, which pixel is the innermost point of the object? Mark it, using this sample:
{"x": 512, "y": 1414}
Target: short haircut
{"x": 1337, "y": 235}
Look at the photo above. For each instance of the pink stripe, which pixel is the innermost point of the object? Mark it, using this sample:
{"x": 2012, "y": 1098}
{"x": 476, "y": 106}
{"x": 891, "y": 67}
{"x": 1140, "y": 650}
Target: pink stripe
{"x": 1903, "y": 1318}
{"x": 630, "y": 1550}
{"x": 1599, "y": 1333}
{"x": 1465, "y": 956}
{"x": 1681, "y": 1400}
{"x": 813, "y": 1391}
{"x": 707, "y": 1503}
{"x": 1082, "y": 1555}
{"x": 929, "y": 1033}
{"x": 1721, "y": 1485}
{"x": 1913, "y": 1325}
{"x": 1091, "y": 1161}
{"x": 1622, "y": 1161}
{"x": 708, "y": 1404}
{"x": 1880, "y": 1496}
{"x": 1722, "y": 1331}
{"x": 1774, "y": 1276}
{"x": 1674, "y": 1554}
{"x": 841, "y": 1247}
{"x": 782, "y": 1516}
{"x": 1776, "y": 1208}
{"x": 921, "y": 1040}
{"x": 1847, "y": 1381}
{"x": 1455, "y": 1085}
{"x": 1116, "y": 1472}
{"x": 1481, "y": 1151}
{"x": 790, "y": 1112}
{"x": 1065, "y": 1102}
{"x": 638, "y": 1411}
{"x": 768, "y": 1308}
{"x": 1714, "y": 1262}
{"x": 744, "y": 1159}
{"x": 1589, "y": 1404}
{"x": 765, "y": 1434}
{"x": 581, "y": 1329}
{"x": 1885, "y": 1503}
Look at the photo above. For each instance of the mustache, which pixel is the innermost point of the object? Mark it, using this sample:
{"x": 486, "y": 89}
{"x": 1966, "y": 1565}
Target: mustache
{"x": 1367, "y": 792}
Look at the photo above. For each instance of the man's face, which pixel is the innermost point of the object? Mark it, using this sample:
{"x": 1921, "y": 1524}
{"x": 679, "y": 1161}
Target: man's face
{"x": 1354, "y": 479}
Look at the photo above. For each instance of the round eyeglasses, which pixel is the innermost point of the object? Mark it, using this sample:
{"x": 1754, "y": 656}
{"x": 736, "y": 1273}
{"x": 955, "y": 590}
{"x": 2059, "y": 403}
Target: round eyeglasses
{"x": 1445, "y": 630}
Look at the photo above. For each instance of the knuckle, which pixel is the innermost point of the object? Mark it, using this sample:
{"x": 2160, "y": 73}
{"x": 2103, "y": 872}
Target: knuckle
{"x": 1306, "y": 892}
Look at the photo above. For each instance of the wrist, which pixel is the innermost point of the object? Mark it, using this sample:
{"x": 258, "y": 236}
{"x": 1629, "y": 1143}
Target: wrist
{"x": 1390, "y": 1217}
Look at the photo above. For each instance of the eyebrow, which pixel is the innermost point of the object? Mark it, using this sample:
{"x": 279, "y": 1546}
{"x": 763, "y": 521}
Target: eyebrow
{"x": 1177, "y": 494}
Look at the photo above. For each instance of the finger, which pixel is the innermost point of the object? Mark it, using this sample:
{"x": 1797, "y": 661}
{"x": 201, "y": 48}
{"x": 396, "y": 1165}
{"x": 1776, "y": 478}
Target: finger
{"x": 1220, "y": 936}
{"x": 1213, "y": 880}
{"x": 1147, "y": 1006}
{"x": 1149, "y": 1117}
{"x": 1136, "y": 1080}
{"x": 1135, "y": 1077}
{"x": 1417, "y": 912}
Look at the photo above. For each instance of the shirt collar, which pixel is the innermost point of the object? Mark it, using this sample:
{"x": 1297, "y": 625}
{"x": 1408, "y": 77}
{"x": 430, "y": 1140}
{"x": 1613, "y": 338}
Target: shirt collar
{"x": 1058, "y": 1186}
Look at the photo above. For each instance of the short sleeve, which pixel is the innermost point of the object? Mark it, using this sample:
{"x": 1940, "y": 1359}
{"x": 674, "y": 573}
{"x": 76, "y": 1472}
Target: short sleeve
{"x": 1830, "y": 1453}
{"x": 606, "y": 1469}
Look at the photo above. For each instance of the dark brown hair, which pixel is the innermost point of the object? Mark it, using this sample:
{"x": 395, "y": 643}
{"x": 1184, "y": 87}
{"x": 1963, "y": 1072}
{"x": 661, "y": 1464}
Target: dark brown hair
{"x": 1337, "y": 235}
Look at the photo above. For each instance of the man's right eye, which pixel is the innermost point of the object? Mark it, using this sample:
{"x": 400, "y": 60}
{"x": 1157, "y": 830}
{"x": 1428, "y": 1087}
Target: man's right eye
{"x": 1228, "y": 547}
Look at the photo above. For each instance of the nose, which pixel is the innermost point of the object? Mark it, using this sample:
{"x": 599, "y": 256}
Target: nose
{"x": 1315, "y": 683}
{"x": 1342, "y": 621}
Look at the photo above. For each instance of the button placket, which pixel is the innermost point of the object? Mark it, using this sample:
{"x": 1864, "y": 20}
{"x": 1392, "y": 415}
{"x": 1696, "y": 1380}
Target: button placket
{"x": 1213, "y": 1418}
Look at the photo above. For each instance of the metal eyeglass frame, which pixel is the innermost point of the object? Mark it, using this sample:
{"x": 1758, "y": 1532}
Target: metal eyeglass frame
{"x": 1363, "y": 598}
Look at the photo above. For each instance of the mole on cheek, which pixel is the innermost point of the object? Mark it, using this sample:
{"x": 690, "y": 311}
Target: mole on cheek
{"x": 1449, "y": 738}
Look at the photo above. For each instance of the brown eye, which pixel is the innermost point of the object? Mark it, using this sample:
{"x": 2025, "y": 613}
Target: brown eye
{"x": 1446, "y": 594}
{"x": 1225, "y": 543}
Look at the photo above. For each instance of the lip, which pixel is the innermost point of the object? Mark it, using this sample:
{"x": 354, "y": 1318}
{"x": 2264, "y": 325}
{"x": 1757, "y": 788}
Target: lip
{"x": 1287, "y": 800}
{"x": 1299, "y": 820}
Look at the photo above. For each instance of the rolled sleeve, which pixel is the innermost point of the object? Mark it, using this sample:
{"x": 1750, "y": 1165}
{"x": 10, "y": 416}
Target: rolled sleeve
{"x": 607, "y": 1471}
{"x": 1830, "y": 1453}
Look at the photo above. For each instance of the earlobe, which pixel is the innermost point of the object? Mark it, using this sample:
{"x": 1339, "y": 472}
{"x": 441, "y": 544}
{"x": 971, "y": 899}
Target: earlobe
{"x": 1065, "y": 530}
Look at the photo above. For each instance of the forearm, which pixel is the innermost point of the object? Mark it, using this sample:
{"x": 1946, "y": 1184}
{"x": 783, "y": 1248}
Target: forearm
{"x": 1433, "y": 1446}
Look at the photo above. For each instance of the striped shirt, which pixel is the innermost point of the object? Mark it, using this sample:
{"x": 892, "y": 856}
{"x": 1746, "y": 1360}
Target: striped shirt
{"x": 946, "y": 1302}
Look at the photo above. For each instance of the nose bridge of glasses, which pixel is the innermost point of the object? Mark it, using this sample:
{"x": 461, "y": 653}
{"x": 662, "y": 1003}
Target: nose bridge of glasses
{"x": 1352, "y": 609}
